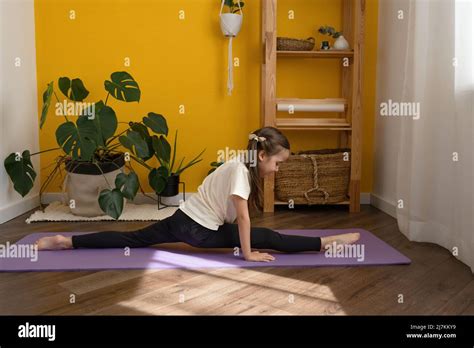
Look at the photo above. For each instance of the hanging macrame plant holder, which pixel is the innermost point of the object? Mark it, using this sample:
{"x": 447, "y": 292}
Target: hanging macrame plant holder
{"x": 230, "y": 26}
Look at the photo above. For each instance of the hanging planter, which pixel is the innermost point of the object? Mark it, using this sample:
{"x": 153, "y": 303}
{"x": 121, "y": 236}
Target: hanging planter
{"x": 230, "y": 25}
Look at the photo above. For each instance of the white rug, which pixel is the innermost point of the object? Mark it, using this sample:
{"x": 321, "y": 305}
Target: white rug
{"x": 57, "y": 211}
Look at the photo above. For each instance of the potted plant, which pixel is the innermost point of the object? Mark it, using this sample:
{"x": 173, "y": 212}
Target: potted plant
{"x": 340, "y": 43}
{"x": 168, "y": 177}
{"x": 89, "y": 149}
{"x": 231, "y": 22}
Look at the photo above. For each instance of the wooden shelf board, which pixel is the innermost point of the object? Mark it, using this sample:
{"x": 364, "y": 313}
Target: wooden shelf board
{"x": 311, "y": 123}
{"x": 316, "y": 54}
{"x": 286, "y": 203}
{"x": 315, "y": 128}
{"x": 302, "y": 101}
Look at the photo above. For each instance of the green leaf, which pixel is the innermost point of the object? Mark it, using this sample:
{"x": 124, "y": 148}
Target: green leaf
{"x": 104, "y": 120}
{"x": 78, "y": 138}
{"x": 163, "y": 172}
{"x": 129, "y": 183}
{"x": 236, "y": 6}
{"x": 156, "y": 122}
{"x": 143, "y": 131}
{"x": 174, "y": 151}
{"x": 135, "y": 143}
{"x": 157, "y": 179}
{"x": 323, "y": 30}
{"x": 111, "y": 202}
{"x": 46, "y": 102}
{"x": 123, "y": 87}
{"x": 191, "y": 163}
{"x": 162, "y": 148}
{"x": 21, "y": 172}
{"x": 74, "y": 89}
{"x": 180, "y": 164}
{"x": 88, "y": 137}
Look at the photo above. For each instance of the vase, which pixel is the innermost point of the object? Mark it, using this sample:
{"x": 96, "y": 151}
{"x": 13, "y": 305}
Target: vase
{"x": 341, "y": 43}
{"x": 230, "y": 24}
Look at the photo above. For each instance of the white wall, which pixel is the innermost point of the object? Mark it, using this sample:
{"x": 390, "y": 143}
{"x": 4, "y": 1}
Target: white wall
{"x": 18, "y": 100}
{"x": 392, "y": 38}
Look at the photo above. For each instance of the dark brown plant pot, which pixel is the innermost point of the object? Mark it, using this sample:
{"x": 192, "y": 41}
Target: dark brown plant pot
{"x": 172, "y": 186}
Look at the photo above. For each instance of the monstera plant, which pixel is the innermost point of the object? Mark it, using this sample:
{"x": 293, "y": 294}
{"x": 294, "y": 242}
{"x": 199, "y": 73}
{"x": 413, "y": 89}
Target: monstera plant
{"x": 91, "y": 141}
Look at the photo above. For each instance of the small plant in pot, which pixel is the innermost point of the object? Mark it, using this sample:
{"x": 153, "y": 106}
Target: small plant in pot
{"x": 89, "y": 149}
{"x": 166, "y": 179}
{"x": 340, "y": 43}
{"x": 231, "y": 22}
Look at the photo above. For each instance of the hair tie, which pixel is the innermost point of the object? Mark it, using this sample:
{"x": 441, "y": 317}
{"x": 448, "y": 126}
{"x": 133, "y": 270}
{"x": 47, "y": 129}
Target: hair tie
{"x": 255, "y": 137}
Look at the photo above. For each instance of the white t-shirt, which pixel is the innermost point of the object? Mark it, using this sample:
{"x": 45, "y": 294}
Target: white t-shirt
{"x": 212, "y": 205}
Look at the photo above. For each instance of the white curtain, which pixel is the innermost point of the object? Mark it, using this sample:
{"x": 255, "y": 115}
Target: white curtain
{"x": 435, "y": 176}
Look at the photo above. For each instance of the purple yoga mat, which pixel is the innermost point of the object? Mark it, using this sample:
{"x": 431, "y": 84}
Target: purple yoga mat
{"x": 375, "y": 252}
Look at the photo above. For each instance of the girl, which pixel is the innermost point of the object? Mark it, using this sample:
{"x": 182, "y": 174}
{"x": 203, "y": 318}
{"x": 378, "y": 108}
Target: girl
{"x": 207, "y": 219}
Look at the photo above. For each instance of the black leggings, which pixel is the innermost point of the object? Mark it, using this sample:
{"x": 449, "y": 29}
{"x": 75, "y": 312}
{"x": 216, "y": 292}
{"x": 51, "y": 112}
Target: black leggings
{"x": 181, "y": 228}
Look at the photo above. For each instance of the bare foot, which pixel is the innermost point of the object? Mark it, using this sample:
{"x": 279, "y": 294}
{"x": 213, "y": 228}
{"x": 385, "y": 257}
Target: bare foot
{"x": 57, "y": 242}
{"x": 346, "y": 238}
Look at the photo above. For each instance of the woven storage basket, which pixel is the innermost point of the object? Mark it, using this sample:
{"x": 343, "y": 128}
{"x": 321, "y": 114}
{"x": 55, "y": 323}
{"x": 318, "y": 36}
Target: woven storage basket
{"x": 314, "y": 177}
{"x": 289, "y": 44}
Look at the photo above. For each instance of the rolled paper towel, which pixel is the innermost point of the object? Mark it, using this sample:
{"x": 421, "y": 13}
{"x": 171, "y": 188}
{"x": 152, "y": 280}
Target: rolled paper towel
{"x": 336, "y": 107}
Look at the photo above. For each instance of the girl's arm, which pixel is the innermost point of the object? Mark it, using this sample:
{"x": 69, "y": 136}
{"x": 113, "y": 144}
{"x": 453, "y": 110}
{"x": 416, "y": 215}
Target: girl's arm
{"x": 243, "y": 220}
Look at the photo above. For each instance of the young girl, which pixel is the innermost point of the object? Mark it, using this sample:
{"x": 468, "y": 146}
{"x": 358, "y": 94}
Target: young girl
{"x": 230, "y": 194}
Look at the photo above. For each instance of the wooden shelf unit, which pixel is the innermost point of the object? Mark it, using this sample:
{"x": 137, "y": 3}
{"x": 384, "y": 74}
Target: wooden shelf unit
{"x": 316, "y": 54}
{"x": 350, "y": 103}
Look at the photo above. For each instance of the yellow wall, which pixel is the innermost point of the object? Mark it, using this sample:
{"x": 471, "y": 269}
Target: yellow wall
{"x": 184, "y": 62}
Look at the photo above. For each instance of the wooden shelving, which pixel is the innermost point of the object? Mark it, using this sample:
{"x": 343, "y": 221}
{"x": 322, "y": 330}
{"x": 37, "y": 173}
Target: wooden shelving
{"x": 316, "y": 54}
{"x": 348, "y": 108}
{"x": 313, "y": 123}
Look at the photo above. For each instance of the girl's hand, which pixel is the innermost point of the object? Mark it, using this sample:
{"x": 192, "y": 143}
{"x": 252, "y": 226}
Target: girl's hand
{"x": 259, "y": 257}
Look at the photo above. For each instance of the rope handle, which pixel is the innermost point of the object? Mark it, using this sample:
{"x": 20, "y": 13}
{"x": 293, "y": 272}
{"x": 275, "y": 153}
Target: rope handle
{"x": 240, "y": 8}
{"x": 315, "y": 181}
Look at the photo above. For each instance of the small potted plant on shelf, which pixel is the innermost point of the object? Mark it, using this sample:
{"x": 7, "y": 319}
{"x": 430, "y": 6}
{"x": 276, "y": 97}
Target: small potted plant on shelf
{"x": 89, "y": 153}
{"x": 340, "y": 43}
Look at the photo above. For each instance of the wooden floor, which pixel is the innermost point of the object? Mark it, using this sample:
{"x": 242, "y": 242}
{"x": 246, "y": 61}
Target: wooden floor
{"x": 435, "y": 282}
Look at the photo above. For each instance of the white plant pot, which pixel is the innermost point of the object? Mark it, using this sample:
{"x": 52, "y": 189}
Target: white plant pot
{"x": 85, "y": 189}
{"x": 231, "y": 24}
{"x": 341, "y": 43}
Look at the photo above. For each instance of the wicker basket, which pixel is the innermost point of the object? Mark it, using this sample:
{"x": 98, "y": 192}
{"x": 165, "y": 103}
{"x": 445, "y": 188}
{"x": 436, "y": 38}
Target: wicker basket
{"x": 314, "y": 177}
{"x": 289, "y": 44}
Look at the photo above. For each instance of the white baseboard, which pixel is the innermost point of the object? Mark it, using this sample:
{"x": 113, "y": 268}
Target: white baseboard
{"x": 20, "y": 207}
{"x": 384, "y": 205}
{"x": 365, "y": 198}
